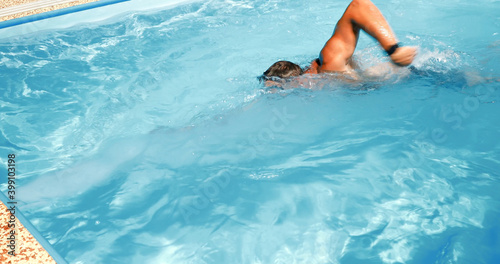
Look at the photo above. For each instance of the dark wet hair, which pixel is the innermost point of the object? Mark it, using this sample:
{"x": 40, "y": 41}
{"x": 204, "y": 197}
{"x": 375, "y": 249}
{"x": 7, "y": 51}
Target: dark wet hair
{"x": 282, "y": 69}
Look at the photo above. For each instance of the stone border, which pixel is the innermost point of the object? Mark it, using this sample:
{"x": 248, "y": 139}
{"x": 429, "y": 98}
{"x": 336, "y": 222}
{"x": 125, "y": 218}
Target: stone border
{"x": 28, "y": 249}
{"x": 21, "y": 8}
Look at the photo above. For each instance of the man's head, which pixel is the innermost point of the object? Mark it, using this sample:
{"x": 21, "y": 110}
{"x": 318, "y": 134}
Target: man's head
{"x": 283, "y": 69}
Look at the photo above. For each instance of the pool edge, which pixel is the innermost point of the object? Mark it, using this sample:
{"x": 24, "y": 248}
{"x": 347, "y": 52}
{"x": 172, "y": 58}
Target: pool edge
{"x": 58, "y": 12}
{"x": 4, "y": 201}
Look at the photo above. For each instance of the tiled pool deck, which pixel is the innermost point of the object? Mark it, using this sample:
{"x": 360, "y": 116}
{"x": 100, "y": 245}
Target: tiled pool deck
{"x": 10, "y": 9}
{"x": 27, "y": 248}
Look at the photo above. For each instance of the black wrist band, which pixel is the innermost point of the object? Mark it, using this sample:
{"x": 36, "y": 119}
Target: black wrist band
{"x": 392, "y": 49}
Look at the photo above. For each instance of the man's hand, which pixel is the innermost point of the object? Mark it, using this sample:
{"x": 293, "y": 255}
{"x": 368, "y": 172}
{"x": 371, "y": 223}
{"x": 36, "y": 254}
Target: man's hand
{"x": 403, "y": 56}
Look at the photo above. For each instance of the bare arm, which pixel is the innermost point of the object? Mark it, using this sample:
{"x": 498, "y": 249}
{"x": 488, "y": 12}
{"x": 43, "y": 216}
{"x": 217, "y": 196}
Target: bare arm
{"x": 360, "y": 15}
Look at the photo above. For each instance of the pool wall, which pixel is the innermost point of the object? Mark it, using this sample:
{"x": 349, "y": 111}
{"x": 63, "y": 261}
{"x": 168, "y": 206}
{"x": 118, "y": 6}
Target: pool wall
{"x": 86, "y": 13}
{"x": 46, "y": 9}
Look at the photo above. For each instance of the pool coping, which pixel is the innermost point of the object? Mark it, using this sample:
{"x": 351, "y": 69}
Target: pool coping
{"x": 30, "y": 6}
{"x": 57, "y": 12}
{"x": 34, "y": 232}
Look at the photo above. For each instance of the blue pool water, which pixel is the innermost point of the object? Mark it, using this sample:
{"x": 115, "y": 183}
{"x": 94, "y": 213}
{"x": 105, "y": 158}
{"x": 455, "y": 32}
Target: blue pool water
{"x": 147, "y": 138}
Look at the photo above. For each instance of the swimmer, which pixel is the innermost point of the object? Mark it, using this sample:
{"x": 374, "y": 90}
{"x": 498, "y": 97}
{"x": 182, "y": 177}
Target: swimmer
{"x": 336, "y": 55}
